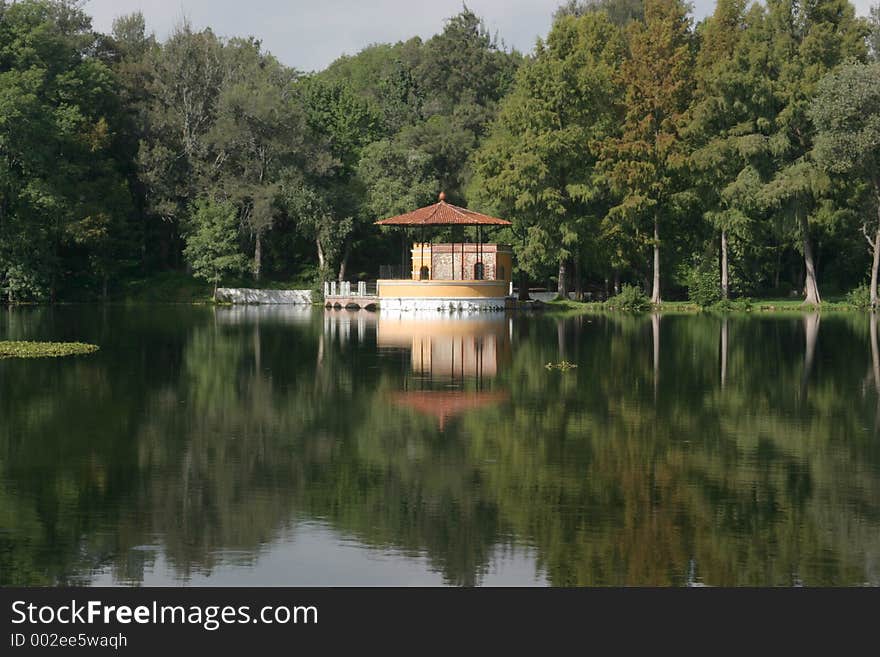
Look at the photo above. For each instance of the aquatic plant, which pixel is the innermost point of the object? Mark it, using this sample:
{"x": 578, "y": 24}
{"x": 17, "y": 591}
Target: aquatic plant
{"x": 23, "y": 349}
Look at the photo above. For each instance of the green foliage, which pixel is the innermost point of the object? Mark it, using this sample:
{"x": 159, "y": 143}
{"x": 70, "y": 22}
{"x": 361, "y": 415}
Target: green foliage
{"x": 758, "y": 125}
{"x": 846, "y": 112}
{"x": 538, "y": 167}
{"x": 212, "y": 241}
{"x": 860, "y": 296}
{"x": 731, "y": 305}
{"x": 62, "y": 188}
{"x": 645, "y": 165}
{"x": 704, "y": 286}
{"x": 15, "y": 349}
{"x": 620, "y": 12}
{"x": 631, "y": 298}
{"x": 874, "y": 33}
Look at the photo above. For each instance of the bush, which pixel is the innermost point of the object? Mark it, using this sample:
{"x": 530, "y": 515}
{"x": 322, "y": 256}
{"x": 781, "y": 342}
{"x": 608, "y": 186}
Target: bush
{"x": 728, "y": 306}
{"x": 704, "y": 287}
{"x": 860, "y": 297}
{"x": 630, "y": 298}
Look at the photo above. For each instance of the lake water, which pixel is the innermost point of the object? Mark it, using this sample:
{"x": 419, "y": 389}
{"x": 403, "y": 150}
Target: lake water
{"x": 284, "y": 446}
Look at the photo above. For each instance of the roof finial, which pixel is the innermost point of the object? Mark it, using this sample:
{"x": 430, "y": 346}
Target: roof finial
{"x": 442, "y": 196}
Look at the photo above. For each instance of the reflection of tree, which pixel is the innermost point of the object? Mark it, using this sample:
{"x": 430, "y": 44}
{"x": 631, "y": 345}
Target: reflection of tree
{"x": 212, "y": 437}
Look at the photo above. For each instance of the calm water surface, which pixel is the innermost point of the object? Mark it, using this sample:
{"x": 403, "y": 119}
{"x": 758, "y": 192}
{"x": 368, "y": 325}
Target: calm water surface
{"x": 279, "y": 446}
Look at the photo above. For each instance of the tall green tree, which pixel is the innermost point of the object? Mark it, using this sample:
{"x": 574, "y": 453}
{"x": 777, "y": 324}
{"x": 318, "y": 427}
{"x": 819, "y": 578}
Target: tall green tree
{"x": 807, "y": 41}
{"x": 539, "y": 164}
{"x": 259, "y": 131}
{"x": 645, "y": 165}
{"x": 212, "y": 248}
{"x": 63, "y": 197}
{"x": 846, "y": 112}
{"x": 728, "y": 124}
{"x": 462, "y": 75}
{"x": 185, "y": 77}
{"x": 343, "y": 123}
{"x": 874, "y": 32}
{"x": 620, "y": 12}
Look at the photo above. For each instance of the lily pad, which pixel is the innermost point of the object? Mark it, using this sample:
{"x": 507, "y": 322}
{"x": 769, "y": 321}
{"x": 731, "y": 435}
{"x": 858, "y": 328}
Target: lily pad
{"x": 23, "y": 349}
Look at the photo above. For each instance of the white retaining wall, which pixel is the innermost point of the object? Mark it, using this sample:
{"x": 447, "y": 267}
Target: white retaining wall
{"x": 245, "y": 295}
{"x": 420, "y": 304}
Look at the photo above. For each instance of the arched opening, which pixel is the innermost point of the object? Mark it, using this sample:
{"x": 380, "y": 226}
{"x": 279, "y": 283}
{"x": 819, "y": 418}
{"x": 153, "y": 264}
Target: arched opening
{"x": 479, "y": 271}
{"x": 424, "y": 273}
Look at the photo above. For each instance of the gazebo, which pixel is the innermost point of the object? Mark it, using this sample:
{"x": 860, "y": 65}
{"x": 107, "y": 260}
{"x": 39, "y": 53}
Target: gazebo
{"x": 453, "y": 275}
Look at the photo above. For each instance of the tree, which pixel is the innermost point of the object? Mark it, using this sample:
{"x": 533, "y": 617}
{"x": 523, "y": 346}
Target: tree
{"x": 539, "y": 163}
{"x": 728, "y": 123}
{"x": 212, "y": 241}
{"x": 874, "y": 34}
{"x": 807, "y": 40}
{"x": 462, "y": 75}
{"x": 645, "y": 164}
{"x": 61, "y": 159}
{"x": 258, "y": 132}
{"x": 184, "y": 79}
{"x": 342, "y": 123}
{"x": 620, "y": 12}
{"x": 846, "y": 113}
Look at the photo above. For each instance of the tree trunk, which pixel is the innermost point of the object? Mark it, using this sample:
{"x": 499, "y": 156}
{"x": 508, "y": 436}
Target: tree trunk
{"x": 811, "y": 287}
{"x": 778, "y": 271}
{"x": 104, "y": 288}
{"x": 215, "y": 292}
{"x": 320, "y": 255}
{"x": 616, "y": 282}
{"x": 578, "y": 281}
{"x": 523, "y": 293}
{"x": 562, "y": 284}
{"x": 875, "y": 264}
{"x": 875, "y": 353}
{"x": 655, "y": 290}
{"x": 258, "y": 255}
{"x": 343, "y": 264}
{"x": 725, "y": 286}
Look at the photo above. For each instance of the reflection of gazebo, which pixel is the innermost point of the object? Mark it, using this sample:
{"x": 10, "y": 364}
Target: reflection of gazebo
{"x": 446, "y": 404}
{"x": 448, "y": 347}
{"x": 455, "y": 274}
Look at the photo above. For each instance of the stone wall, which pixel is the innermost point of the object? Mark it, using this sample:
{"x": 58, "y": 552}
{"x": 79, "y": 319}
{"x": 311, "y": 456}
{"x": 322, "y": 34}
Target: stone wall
{"x": 242, "y": 295}
{"x": 442, "y": 265}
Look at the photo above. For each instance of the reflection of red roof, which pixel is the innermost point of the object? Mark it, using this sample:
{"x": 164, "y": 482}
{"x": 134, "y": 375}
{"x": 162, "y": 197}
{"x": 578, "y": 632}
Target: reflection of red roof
{"x": 443, "y": 214}
{"x": 444, "y": 404}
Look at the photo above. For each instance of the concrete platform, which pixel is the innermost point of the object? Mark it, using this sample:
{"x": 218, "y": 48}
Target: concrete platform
{"x": 351, "y": 301}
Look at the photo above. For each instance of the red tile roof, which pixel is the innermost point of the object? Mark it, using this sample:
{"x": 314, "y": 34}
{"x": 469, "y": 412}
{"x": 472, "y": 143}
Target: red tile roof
{"x": 443, "y": 214}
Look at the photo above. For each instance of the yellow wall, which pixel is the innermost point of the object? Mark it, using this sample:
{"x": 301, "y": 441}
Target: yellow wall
{"x": 443, "y": 289}
{"x": 421, "y": 255}
{"x": 505, "y": 259}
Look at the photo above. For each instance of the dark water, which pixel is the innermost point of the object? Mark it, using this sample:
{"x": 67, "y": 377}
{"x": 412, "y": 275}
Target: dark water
{"x": 247, "y": 446}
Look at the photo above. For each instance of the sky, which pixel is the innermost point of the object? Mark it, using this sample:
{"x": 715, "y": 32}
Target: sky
{"x": 309, "y": 34}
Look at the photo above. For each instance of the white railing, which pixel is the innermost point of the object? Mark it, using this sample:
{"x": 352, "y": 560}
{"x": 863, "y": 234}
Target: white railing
{"x": 344, "y": 289}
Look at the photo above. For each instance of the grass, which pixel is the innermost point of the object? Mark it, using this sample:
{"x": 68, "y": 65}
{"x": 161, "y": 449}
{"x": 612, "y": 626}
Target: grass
{"x": 167, "y": 287}
{"x": 832, "y": 303}
{"x": 179, "y": 287}
{"x": 22, "y": 349}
